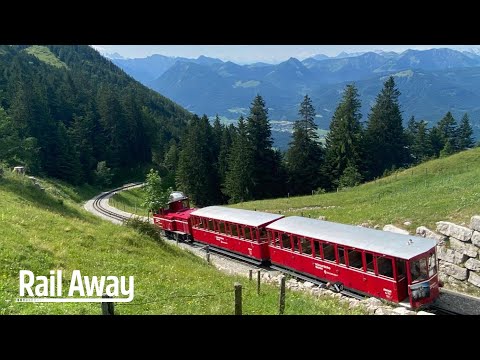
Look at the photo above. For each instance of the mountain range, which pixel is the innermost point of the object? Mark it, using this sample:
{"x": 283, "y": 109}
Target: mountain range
{"x": 431, "y": 83}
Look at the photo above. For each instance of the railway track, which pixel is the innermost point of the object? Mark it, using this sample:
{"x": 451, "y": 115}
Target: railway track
{"x": 98, "y": 206}
{"x": 449, "y": 302}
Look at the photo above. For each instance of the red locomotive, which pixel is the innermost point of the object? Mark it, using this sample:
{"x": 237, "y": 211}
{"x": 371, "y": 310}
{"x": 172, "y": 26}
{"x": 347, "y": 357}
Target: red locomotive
{"x": 396, "y": 267}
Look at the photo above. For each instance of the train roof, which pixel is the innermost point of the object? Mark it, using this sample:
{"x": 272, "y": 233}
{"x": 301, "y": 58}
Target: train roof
{"x": 239, "y": 216}
{"x": 382, "y": 242}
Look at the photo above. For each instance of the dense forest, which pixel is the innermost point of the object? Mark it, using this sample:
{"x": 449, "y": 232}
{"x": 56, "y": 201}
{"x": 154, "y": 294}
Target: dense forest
{"x": 67, "y": 112}
{"x": 216, "y": 163}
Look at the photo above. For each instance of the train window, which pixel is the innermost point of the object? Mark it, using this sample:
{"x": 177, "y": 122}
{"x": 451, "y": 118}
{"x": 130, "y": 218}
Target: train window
{"x": 200, "y": 223}
{"x": 255, "y": 233}
{"x": 286, "y": 244}
{"x": 296, "y": 246}
{"x": 221, "y": 227}
{"x": 234, "y": 229}
{"x": 418, "y": 270}
{"x": 400, "y": 268}
{"x": 210, "y": 224}
{"x": 385, "y": 267}
{"x": 316, "y": 247}
{"x": 276, "y": 238}
{"x": 263, "y": 235}
{"x": 248, "y": 233}
{"x": 432, "y": 265}
{"x": 341, "y": 255}
{"x": 355, "y": 259}
{"x": 306, "y": 246}
{"x": 328, "y": 252}
{"x": 369, "y": 261}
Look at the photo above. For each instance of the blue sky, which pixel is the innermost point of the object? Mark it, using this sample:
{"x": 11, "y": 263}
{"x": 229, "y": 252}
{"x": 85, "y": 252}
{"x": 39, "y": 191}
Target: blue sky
{"x": 253, "y": 53}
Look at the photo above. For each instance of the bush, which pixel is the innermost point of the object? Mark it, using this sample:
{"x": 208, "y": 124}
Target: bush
{"x": 350, "y": 177}
{"x": 144, "y": 228}
{"x": 319, "y": 191}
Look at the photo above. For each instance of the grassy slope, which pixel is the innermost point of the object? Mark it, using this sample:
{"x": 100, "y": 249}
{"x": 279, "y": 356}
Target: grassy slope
{"x": 129, "y": 201}
{"x": 43, "y": 231}
{"x": 442, "y": 189}
{"x": 42, "y": 53}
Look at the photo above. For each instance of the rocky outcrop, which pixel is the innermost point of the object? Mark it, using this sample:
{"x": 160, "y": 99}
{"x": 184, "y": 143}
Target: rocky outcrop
{"x": 461, "y": 233}
{"x": 427, "y": 233}
{"x": 393, "y": 228}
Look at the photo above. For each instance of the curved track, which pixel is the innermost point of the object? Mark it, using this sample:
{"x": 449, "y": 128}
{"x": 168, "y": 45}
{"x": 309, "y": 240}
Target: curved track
{"x": 97, "y": 203}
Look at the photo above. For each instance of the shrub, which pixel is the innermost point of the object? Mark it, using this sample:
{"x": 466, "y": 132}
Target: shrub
{"x": 144, "y": 228}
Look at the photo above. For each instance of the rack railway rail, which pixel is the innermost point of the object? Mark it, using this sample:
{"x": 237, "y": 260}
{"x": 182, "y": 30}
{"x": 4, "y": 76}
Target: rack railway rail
{"x": 448, "y": 303}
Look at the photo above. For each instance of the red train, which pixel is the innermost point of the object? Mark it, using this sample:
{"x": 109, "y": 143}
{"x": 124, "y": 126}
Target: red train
{"x": 399, "y": 268}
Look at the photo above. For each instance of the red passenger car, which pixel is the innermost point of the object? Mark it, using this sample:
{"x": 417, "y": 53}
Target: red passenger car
{"x": 240, "y": 231}
{"x": 396, "y": 267}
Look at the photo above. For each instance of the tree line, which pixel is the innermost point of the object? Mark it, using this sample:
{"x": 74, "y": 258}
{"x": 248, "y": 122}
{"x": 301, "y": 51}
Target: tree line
{"x": 216, "y": 163}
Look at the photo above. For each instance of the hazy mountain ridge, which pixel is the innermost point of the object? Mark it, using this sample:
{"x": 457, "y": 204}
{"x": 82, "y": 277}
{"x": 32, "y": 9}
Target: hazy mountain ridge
{"x": 432, "y": 82}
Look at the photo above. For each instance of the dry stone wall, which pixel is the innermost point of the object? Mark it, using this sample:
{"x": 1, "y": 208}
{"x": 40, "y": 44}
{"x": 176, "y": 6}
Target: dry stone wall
{"x": 458, "y": 250}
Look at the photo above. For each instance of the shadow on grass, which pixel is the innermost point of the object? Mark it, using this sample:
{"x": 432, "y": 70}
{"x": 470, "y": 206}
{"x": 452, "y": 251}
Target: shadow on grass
{"x": 39, "y": 198}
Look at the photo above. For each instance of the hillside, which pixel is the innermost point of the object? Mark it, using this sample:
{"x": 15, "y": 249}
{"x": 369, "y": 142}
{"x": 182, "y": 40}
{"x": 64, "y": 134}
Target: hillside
{"x": 442, "y": 189}
{"x": 68, "y": 108}
{"x": 43, "y": 231}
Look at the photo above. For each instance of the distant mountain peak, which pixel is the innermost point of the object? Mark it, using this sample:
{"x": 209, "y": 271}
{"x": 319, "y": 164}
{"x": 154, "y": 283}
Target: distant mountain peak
{"x": 344, "y": 54}
{"x": 115, "y": 55}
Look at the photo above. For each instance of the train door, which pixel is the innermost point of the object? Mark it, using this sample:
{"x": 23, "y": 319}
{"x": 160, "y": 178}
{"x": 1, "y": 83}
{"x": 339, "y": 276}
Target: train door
{"x": 401, "y": 279}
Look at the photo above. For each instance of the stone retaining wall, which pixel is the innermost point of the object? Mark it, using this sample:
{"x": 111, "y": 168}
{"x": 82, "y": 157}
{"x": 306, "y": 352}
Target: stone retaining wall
{"x": 458, "y": 249}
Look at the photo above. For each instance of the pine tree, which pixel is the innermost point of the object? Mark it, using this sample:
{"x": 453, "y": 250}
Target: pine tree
{"x": 265, "y": 163}
{"x": 223, "y": 156}
{"x": 170, "y": 164}
{"x": 196, "y": 175}
{"x": 304, "y": 158}
{"x": 447, "y": 127}
{"x": 417, "y": 139}
{"x": 350, "y": 177}
{"x": 448, "y": 149}
{"x": 10, "y": 145}
{"x": 435, "y": 141}
{"x": 464, "y": 134}
{"x": 238, "y": 184}
{"x": 385, "y": 138}
{"x": 420, "y": 148}
{"x": 344, "y": 140}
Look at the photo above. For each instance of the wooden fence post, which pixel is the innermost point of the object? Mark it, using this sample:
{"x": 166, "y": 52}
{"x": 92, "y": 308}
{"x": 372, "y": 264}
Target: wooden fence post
{"x": 238, "y": 299}
{"x": 258, "y": 282}
{"x": 250, "y": 274}
{"x": 208, "y": 254}
{"x": 281, "y": 308}
{"x": 108, "y": 308}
